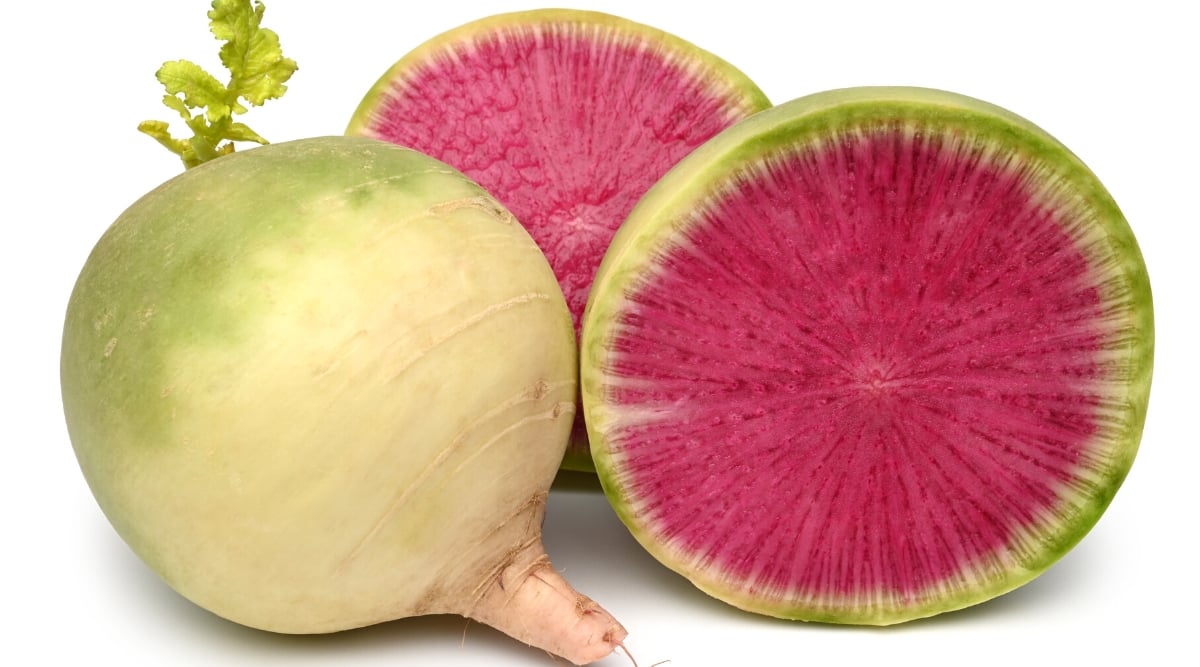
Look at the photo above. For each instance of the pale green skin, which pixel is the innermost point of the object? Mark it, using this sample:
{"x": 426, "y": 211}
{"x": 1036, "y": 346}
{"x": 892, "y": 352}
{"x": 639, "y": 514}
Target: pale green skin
{"x": 663, "y": 214}
{"x": 320, "y": 384}
{"x": 721, "y": 76}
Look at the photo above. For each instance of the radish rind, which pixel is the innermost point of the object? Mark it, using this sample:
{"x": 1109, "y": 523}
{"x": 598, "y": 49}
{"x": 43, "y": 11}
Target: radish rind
{"x": 675, "y": 49}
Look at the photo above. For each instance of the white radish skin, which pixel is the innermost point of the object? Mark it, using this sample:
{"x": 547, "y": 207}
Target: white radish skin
{"x": 325, "y": 384}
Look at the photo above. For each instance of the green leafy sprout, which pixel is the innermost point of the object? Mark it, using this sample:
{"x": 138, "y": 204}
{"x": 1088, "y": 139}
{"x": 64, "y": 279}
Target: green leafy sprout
{"x": 257, "y": 73}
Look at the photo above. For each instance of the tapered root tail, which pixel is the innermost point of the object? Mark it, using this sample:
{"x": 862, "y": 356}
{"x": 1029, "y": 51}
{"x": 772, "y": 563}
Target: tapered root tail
{"x": 529, "y": 601}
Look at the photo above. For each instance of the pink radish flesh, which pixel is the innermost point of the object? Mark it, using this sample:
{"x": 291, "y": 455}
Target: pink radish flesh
{"x": 880, "y": 357}
{"x": 564, "y": 127}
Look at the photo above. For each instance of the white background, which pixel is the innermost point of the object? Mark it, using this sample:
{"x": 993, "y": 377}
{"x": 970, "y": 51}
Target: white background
{"x": 1118, "y": 86}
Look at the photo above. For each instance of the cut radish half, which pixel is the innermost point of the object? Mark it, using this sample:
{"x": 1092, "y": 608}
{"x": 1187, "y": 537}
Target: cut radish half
{"x": 566, "y": 116}
{"x": 871, "y": 355}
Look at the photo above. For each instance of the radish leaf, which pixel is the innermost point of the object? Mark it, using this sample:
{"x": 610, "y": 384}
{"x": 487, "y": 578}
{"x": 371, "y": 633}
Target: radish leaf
{"x": 258, "y": 71}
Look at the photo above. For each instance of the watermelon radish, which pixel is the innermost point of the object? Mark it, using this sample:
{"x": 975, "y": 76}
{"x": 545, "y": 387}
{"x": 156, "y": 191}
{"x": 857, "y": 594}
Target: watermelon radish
{"x": 566, "y": 116}
{"x": 327, "y": 383}
{"x": 869, "y": 356}
{"x": 324, "y": 383}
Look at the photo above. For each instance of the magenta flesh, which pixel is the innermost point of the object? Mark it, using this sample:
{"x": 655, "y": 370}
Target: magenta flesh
{"x": 566, "y": 135}
{"x": 888, "y": 329}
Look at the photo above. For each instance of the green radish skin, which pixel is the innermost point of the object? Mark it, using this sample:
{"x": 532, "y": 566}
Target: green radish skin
{"x": 661, "y": 221}
{"x": 327, "y": 383}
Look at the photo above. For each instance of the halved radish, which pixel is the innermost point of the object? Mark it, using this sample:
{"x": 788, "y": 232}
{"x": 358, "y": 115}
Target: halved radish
{"x": 871, "y": 355}
{"x": 566, "y": 116}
